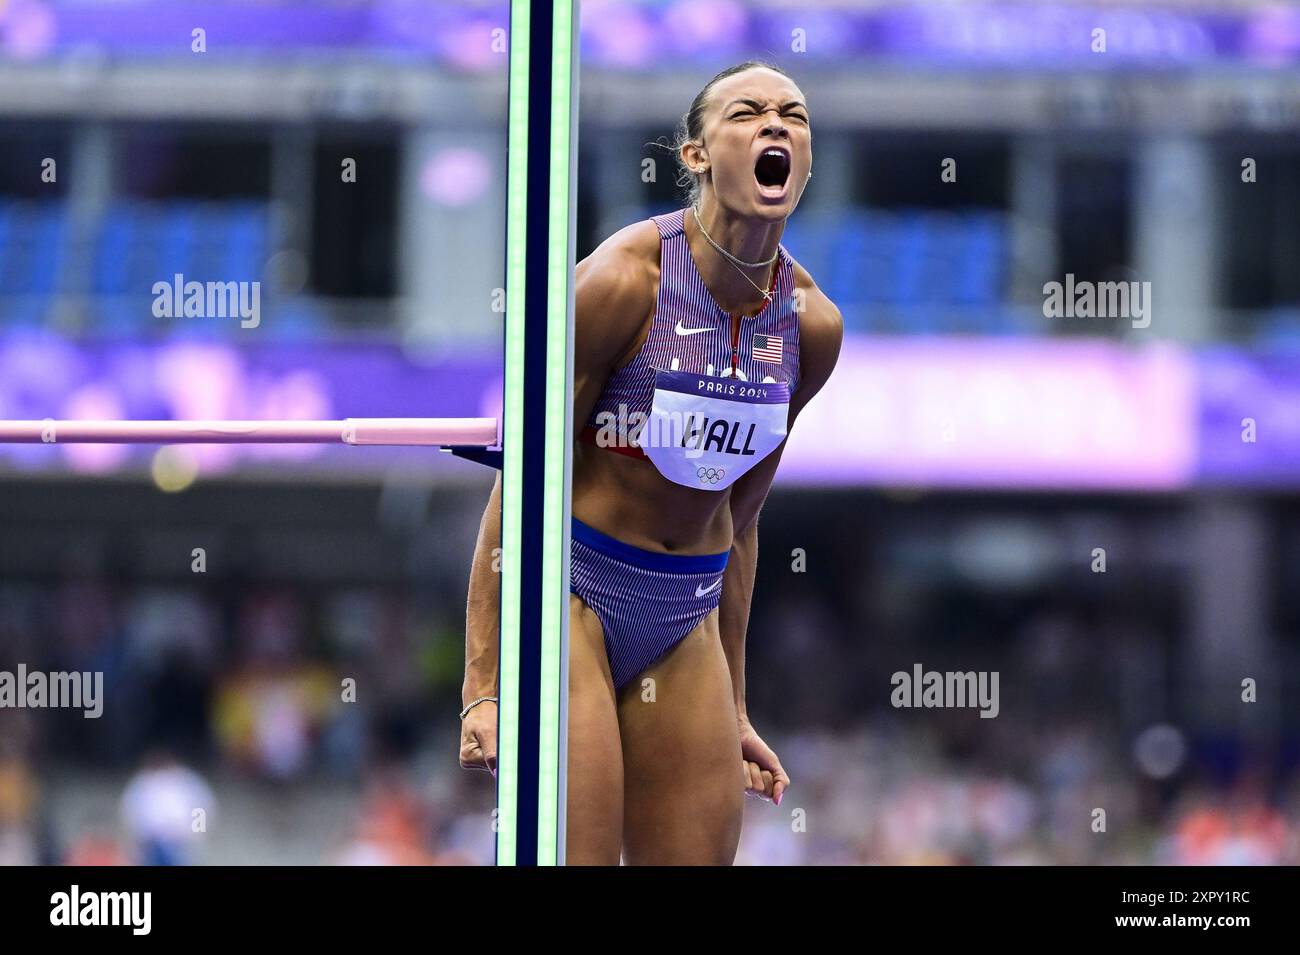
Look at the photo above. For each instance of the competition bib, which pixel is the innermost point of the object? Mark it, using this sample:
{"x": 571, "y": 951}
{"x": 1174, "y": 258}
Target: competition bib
{"x": 705, "y": 432}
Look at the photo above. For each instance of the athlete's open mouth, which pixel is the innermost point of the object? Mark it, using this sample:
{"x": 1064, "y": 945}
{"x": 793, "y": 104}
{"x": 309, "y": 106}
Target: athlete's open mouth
{"x": 772, "y": 167}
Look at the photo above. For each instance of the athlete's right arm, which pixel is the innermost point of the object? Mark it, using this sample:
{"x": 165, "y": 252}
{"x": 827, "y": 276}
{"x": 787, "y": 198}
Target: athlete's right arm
{"x": 478, "y": 731}
{"x": 613, "y": 299}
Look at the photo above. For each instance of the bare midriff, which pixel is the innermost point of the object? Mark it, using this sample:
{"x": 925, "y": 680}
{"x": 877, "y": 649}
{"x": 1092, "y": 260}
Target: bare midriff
{"x": 628, "y": 499}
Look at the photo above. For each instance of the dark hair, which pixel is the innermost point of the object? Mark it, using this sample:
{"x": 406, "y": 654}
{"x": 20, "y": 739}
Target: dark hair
{"x": 691, "y": 125}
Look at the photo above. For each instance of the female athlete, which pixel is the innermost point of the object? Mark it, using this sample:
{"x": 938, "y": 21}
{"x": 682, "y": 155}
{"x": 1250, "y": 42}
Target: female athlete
{"x": 698, "y": 342}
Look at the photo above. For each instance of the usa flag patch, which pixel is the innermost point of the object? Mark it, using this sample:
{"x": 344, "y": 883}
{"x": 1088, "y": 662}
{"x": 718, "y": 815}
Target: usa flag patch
{"x": 766, "y": 348}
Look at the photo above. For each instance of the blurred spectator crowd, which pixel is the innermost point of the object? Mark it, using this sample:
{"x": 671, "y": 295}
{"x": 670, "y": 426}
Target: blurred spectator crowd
{"x": 277, "y": 725}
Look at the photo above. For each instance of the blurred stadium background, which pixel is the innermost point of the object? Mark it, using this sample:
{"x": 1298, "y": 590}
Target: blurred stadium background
{"x": 949, "y": 490}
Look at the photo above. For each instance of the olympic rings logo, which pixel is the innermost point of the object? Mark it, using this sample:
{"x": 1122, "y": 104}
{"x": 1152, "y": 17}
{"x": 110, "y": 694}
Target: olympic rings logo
{"x": 711, "y": 475}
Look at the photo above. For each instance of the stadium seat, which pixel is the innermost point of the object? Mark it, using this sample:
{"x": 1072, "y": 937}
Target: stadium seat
{"x": 139, "y": 243}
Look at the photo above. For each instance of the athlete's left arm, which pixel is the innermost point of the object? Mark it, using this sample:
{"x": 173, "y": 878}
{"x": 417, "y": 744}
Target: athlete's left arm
{"x": 821, "y": 331}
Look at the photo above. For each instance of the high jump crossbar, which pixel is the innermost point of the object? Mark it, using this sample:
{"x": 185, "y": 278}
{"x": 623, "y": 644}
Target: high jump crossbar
{"x": 434, "y": 432}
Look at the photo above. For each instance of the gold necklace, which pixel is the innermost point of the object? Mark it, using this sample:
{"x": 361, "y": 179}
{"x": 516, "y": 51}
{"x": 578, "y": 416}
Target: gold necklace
{"x": 735, "y": 262}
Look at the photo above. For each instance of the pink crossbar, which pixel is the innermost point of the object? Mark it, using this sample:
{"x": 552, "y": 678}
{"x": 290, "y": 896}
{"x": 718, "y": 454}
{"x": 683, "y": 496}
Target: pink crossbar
{"x": 438, "y": 432}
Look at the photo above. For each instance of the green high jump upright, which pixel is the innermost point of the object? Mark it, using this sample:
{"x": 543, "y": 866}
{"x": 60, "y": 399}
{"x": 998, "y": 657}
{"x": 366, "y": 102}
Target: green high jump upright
{"x": 536, "y": 432}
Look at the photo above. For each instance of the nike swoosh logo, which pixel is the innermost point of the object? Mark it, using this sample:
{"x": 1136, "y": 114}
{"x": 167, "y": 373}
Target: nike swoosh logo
{"x": 713, "y": 586}
{"x": 683, "y": 330}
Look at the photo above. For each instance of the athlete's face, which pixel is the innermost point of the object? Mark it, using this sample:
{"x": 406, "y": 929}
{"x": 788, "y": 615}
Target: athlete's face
{"x": 757, "y": 144}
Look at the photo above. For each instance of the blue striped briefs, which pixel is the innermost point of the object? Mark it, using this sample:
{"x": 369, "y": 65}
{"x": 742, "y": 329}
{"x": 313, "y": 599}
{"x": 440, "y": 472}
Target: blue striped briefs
{"x": 647, "y": 602}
